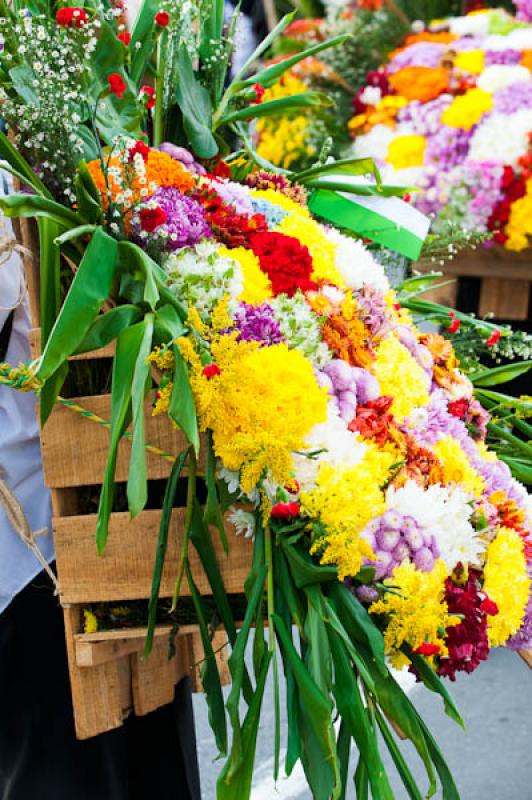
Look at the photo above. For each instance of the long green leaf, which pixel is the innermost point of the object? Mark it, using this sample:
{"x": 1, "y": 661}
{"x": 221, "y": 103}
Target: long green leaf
{"x": 304, "y": 571}
{"x": 34, "y": 205}
{"x": 503, "y": 374}
{"x": 107, "y": 327}
{"x": 361, "y": 780}
{"x": 19, "y": 164}
{"x": 213, "y": 512}
{"x": 281, "y": 106}
{"x": 400, "y": 764}
{"x": 134, "y": 260}
{"x": 182, "y": 409}
{"x": 137, "y": 481}
{"x": 162, "y": 545}
{"x": 49, "y": 275}
{"x": 450, "y": 790}
{"x": 519, "y": 469}
{"x": 343, "y": 748}
{"x": 343, "y": 166}
{"x": 263, "y": 46}
{"x": 358, "y": 624}
{"x": 195, "y": 104}
{"x": 433, "y": 682}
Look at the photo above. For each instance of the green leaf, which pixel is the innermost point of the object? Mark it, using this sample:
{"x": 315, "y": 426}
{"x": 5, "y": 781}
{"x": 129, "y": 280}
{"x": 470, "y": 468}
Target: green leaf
{"x": 278, "y": 107}
{"x": 182, "y": 409}
{"x": 519, "y": 469}
{"x": 433, "y": 682}
{"x": 108, "y": 326}
{"x": 268, "y": 76}
{"x": 90, "y": 288}
{"x": 213, "y": 512}
{"x": 142, "y": 34}
{"x": 343, "y": 748}
{"x": 22, "y": 77}
{"x": 50, "y": 392}
{"x": 31, "y": 205}
{"x": 450, "y": 790}
{"x": 162, "y": 544}
{"x": 137, "y": 481}
{"x": 90, "y": 207}
{"x": 21, "y": 167}
{"x": 303, "y": 569}
{"x": 50, "y": 278}
{"x": 135, "y": 261}
{"x": 195, "y": 104}
{"x": 345, "y": 166}
{"x": 503, "y": 374}
{"x": 363, "y": 189}
{"x": 362, "y": 780}
{"x": 402, "y": 767}
{"x": 74, "y": 233}
{"x": 210, "y": 677}
{"x": 358, "y": 624}
{"x": 263, "y": 46}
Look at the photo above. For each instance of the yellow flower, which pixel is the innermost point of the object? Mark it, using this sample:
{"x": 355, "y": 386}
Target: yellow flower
{"x": 456, "y": 466}
{"x": 400, "y": 376}
{"x": 162, "y": 401}
{"x": 345, "y": 500}
{"x": 507, "y": 584}
{"x": 254, "y": 406}
{"x": 90, "y": 621}
{"x": 162, "y": 357}
{"x": 322, "y": 250}
{"x": 257, "y": 286}
{"x": 470, "y": 61}
{"x": 282, "y": 200}
{"x": 283, "y": 138}
{"x": 417, "y": 613}
{"x": 406, "y": 151}
{"x": 467, "y": 109}
{"x": 519, "y": 226}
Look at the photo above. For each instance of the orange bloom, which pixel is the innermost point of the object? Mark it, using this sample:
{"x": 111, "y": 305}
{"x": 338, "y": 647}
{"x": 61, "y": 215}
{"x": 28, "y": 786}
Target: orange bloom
{"x": 161, "y": 169}
{"x": 526, "y": 59}
{"x": 348, "y": 338}
{"x": 420, "y": 83}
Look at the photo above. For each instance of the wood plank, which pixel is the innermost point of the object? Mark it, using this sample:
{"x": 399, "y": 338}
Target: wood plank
{"x": 526, "y": 655}
{"x": 124, "y": 571}
{"x": 483, "y": 262}
{"x": 153, "y": 680}
{"x": 506, "y": 299}
{"x": 74, "y": 449}
{"x": 97, "y": 648}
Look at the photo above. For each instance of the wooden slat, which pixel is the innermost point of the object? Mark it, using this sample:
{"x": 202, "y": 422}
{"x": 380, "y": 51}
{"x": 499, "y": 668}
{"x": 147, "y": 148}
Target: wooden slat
{"x": 124, "y": 571}
{"x": 153, "y": 680}
{"x": 506, "y": 299}
{"x": 74, "y": 449}
{"x": 494, "y": 262}
{"x": 97, "y": 648}
{"x": 526, "y": 655}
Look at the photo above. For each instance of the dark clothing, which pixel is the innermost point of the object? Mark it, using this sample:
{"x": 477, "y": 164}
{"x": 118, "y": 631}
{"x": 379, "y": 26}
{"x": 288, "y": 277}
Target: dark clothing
{"x": 149, "y": 758}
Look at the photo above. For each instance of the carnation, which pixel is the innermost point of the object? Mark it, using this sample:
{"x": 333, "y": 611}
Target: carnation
{"x": 286, "y": 262}
{"x": 356, "y": 264}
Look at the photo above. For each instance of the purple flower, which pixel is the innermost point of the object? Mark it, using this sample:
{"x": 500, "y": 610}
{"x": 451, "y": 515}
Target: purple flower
{"x": 513, "y": 98}
{"x": 508, "y": 56}
{"x": 447, "y": 147}
{"x": 523, "y": 638}
{"x": 257, "y": 324}
{"x": 425, "y": 117}
{"x": 374, "y": 311}
{"x": 233, "y": 194}
{"x": 185, "y": 221}
{"x": 524, "y": 10}
{"x": 394, "y": 537}
{"x": 420, "y": 54}
{"x": 469, "y": 43}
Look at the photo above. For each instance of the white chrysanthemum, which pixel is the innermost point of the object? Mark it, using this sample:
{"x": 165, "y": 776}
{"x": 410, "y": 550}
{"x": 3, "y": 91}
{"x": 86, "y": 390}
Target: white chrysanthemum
{"x": 333, "y": 443}
{"x": 499, "y": 76}
{"x": 375, "y": 143}
{"x": 502, "y": 137}
{"x": 445, "y": 513}
{"x": 518, "y": 39}
{"x": 473, "y": 25}
{"x": 371, "y": 95}
{"x": 244, "y": 522}
{"x": 201, "y": 277}
{"x": 409, "y": 176}
{"x": 301, "y": 327}
{"x": 355, "y": 263}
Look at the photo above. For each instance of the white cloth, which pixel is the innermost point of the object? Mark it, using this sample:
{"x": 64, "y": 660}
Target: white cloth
{"x": 20, "y": 454}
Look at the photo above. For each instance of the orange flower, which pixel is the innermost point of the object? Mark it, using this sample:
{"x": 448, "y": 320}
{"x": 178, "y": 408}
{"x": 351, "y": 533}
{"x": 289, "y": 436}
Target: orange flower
{"x": 161, "y": 169}
{"x": 420, "y": 83}
{"x": 348, "y": 338}
{"x": 526, "y": 59}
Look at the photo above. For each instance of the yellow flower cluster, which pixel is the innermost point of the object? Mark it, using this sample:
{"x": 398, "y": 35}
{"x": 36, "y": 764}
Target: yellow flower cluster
{"x": 470, "y": 61}
{"x": 323, "y": 251}
{"x": 507, "y": 584}
{"x": 519, "y": 226}
{"x": 407, "y": 151}
{"x": 467, "y": 109}
{"x": 416, "y": 611}
{"x": 281, "y": 200}
{"x": 283, "y": 138}
{"x": 257, "y": 286}
{"x": 345, "y": 500}
{"x": 255, "y": 407}
{"x": 400, "y": 376}
{"x": 457, "y": 467}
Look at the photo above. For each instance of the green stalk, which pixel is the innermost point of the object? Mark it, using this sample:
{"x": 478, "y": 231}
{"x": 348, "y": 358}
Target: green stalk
{"x": 189, "y": 510}
{"x": 158, "y": 121}
{"x": 268, "y": 553}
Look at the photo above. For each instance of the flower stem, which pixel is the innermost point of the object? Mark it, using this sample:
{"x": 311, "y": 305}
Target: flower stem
{"x": 158, "y": 121}
{"x": 268, "y": 555}
{"x": 191, "y": 496}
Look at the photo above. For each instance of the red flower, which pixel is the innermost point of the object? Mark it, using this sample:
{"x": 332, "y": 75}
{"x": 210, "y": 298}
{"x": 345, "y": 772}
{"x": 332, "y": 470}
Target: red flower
{"x": 427, "y": 649}
{"x": 286, "y": 262}
{"x": 139, "y": 147}
{"x": 125, "y": 37}
{"x": 148, "y": 93}
{"x": 151, "y": 218}
{"x": 117, "y": 84}
{"x": 458, "y": 408}
{"x": 162, "y": 18}
{"x": 285, "y": 510}
{"x": 259, "y": 93}
{"x": 221, "y": 170}
{"x": 232, "y": 228}
{"x": 372, "y": 420}
{"x": 211, "y": 370}
{"x": 493, "y": 339}
{"x": 489, "y": 607}
{"x": 71, "y": 17}
{"x": 454, "y": 326}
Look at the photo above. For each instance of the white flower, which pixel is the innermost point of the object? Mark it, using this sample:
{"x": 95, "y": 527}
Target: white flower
{"x": 502, "y": 137}
{"x": 356, "y": 265}
{"x": 244, "y": 522}
{"x": 375, "y": 143}
{"x": 371, "y": 95}
{"x": 498, "y": 76}
{"x": 444, "y": 512}
{"x": 301, "y": 327}
{"x": 472, "y": 25}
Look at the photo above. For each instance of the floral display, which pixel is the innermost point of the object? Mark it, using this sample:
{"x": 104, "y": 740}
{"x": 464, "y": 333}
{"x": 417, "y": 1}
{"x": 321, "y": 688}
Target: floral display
{"x": 312, "y": 415}
{"x": 450, "y": 113}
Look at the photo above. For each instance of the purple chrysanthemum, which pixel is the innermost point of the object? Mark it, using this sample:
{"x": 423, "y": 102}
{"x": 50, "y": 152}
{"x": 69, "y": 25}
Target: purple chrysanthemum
{"x": 523, "y": 638}
{"x": 257, "y": 324}
{"x": 185, "y": 221}
{"x": 447, "y": 147}
{"x": 508, "y": 56}
{"x": 513, "y": 98}
{"x": 420, "y": 54}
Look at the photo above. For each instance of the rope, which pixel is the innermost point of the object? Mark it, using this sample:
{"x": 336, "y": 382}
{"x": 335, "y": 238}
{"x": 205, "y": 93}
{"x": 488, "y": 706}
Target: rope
{"x": 22, "y": 528}
{"x": 22, "y": 379}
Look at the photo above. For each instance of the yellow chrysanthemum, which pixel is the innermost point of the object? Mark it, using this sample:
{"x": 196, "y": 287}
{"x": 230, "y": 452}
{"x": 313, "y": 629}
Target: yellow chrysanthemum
{"x": 345, "y": 500}
{"x": 406, "y": 151}
{"x": 485, "y": 454}
{"x": 90, "y": 621}
{"x": 519, "y": 226}
{"x": 257, "y": 286}
{"x": 254, "y": 407}
{"x": 323, "y": 251}
{"x": 282, "y": 138}
{"x": 400, "y": 376}
{"x": 507, "y": 584}
{"x": 417, "y": 613}
{"x": 457, "y": 467}
{"x": 467, "y": 109}
{"x": 281, "y": 200}
{"x": 470, "y": 61}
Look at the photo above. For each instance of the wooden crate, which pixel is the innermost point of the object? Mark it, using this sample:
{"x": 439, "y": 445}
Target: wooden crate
{"x": 505, "y": 281}
{"x": 109, "y": 676}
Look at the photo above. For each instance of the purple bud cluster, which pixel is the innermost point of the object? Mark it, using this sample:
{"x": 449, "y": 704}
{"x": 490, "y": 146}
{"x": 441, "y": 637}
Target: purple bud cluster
{"x": 348, "y": 385}
{"x": 184, "y": 156}
{"x": 257, "y": 324}
{"x": 394, "y": 537}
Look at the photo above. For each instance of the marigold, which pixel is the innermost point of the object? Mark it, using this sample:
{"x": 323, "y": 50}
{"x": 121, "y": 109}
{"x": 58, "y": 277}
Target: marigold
{"x": 416, "y": 612}
{"x": 420, "y": 83}
{"x": 456, "y": 466}
{"x": 407, "y": 151}
{"x": 400, "y": 376}
{"x": 507, "y": 584}
{"x": 467, "y": 109}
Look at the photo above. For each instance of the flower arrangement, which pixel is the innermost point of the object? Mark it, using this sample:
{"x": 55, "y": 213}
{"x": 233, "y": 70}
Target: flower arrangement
{"x": 451, "y": 114}
{"x": 340, "y": 437}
